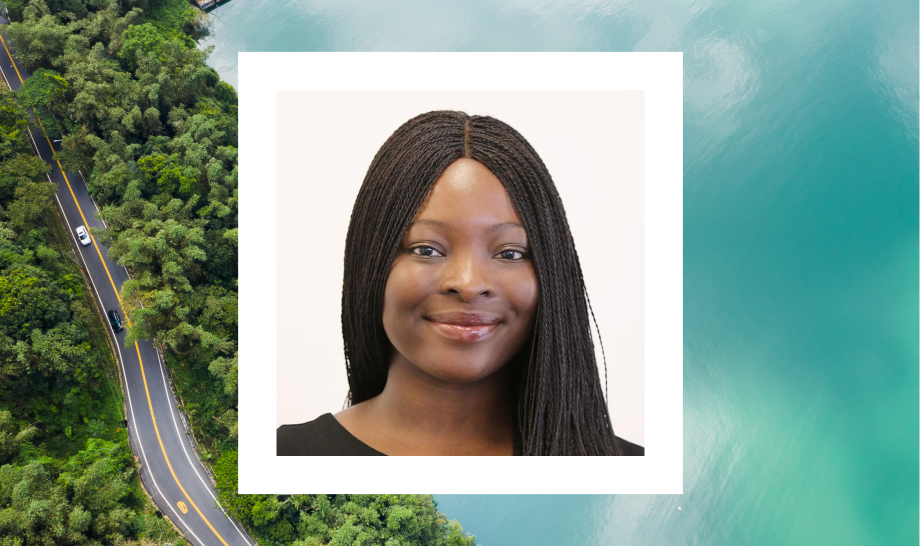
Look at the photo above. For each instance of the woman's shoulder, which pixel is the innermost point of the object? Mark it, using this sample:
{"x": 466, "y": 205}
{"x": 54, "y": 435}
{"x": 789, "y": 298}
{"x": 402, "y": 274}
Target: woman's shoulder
{"x": 630, "y": 449}
{"x": 322, "y": 436}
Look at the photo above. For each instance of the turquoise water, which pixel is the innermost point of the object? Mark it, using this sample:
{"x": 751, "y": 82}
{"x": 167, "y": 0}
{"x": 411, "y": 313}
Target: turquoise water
{"x": 800, "y": 253}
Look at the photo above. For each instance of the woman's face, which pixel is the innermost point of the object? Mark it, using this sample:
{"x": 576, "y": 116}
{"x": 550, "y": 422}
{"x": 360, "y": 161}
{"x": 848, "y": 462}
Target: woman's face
{"x": 462, "y": 293}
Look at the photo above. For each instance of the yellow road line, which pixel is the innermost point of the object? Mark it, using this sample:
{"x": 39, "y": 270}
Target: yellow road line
{"x": 136, "y": 346}
{"x": 171, "y": 471}
{"x": 12, "y": 62}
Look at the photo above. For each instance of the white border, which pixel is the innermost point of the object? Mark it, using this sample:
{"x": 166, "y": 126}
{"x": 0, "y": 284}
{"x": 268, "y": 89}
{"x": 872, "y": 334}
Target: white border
{"x": 660, "y": 75}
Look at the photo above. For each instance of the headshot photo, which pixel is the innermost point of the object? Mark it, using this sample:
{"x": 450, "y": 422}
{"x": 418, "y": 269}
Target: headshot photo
{"x": 460, "y": 273}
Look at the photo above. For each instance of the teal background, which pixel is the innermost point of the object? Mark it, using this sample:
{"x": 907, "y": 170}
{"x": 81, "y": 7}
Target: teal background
{"x": 800, "y": 252}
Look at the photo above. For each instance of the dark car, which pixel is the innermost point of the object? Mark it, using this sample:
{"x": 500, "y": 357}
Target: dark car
{"x": 115, "y": 320}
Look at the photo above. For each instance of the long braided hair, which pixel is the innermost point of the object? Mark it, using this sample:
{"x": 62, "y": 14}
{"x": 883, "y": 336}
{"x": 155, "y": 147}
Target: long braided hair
{"x": 560, "y": 406}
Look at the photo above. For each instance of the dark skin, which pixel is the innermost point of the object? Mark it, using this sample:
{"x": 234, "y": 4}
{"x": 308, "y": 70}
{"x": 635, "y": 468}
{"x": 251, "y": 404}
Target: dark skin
{"x": 447, "y": 390}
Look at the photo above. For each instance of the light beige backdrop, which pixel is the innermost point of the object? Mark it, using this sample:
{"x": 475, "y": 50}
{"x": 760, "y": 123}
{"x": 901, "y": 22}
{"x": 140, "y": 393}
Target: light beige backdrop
{"x": 592, "y": 144}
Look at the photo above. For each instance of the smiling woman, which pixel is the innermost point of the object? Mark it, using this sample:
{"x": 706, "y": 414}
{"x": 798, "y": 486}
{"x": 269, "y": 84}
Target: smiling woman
{"x": 464, "y": 310}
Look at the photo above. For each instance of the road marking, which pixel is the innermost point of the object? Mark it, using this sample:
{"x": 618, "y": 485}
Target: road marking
{"x": 157, "y": 430}
{"x": 13, "y": 64}
{"x": 182, "y": 507}
{"x": 187, "y": 456}
{"x": 128, "y": 320}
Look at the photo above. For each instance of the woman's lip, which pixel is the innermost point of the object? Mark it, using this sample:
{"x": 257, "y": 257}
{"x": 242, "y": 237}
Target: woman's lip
{"x": 464, "y": 319}
{"x": 469, "y": 334}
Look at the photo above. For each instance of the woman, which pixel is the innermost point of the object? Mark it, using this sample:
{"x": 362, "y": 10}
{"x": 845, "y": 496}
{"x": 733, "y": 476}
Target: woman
{"x": 464, "y": 310}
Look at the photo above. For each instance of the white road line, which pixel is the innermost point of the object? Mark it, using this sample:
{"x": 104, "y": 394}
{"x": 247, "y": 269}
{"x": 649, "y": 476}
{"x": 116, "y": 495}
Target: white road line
{"x": 187, "y": 456}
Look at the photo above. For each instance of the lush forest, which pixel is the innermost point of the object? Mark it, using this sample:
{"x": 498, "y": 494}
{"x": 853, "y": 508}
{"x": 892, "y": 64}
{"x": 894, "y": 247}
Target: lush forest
{"x": 66, "y": 471}
{"x": 154, "y": 129}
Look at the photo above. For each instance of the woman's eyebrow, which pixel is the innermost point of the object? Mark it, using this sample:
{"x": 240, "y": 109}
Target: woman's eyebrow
{"x": 447, "y": 227}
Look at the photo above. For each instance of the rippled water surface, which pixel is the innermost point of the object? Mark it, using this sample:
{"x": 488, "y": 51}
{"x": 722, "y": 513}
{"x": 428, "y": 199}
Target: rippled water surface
{"x": 800, "y": 252}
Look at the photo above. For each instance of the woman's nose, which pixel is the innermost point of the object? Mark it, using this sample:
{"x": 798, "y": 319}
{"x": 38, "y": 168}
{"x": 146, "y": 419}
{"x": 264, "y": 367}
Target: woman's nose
{"x": 468, "y": 276}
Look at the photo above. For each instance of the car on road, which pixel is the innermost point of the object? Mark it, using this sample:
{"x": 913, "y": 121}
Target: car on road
{"x": 83, "y": 236}
{"x": 115, "y": 320}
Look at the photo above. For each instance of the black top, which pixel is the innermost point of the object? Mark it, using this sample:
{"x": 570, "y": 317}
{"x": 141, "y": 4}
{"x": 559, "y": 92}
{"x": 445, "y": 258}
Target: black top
{"x": 325, "y": 436}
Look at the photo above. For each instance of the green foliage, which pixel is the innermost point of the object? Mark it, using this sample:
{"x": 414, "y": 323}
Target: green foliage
{"x": 225, "y": 476}
{"x": 13, "y": 436}
{"x": 31, "y": 201}
{"x": 176, "y": 16}
{"x": 59, "y": 350}
{"x": 169, "y": 199}
{"x": 14, "y": 11}
{"x": 40, "y": 38}
{"x": 81, "y": 509}
{"x": 140, "y": 40}
{"x": 76, "y": 151}
{"x": 45, "y": 89}
{"x": 74, "y": 8}
{"x": 227, "y": 370}
{"x": 115, "y": 458}
{"x": 45, "y": 358}
{"x": 204, "y": 397}
{"x": 229, "y": 420}
{"x": 14, "y": 123}
{"x": 30, "y": 301}
{"x": 42, "y": 88}
{"x": 19, "y": 171}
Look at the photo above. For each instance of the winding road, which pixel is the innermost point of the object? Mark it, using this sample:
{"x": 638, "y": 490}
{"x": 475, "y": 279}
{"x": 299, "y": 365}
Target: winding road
{"x": 170, "y": 470}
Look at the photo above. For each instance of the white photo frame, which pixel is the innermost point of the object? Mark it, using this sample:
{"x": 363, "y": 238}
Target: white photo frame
{"x": 656, "y": 77}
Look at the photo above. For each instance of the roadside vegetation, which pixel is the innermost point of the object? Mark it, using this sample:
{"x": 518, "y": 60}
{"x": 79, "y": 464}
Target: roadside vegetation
{"x": 155, "y": 131}
{"x": 66, "y": 471}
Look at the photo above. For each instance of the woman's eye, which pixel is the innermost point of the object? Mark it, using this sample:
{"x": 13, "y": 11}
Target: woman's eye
{"x": 510, "y": 255}
{"x": 425, "y": 251}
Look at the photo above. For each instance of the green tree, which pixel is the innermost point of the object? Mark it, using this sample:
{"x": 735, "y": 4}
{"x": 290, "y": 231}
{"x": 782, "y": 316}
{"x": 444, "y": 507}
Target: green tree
{"x": 19, "y": 171}
{"x": 76, "y": 151}
{"x": 12, "y": 436}
{"x": 14, "y": 123}
{"x": 104, "y": 96}
{"x": 48, "y": 90}
{"x": 227, "y": 370}
{"x": 410, "y": 520}
{"x": 42, "y": 510}
{"x": 32, "y": 201}
{"x": 59, "y": 350}
{"x": 40, "y": 38}
{"x": 29, "y": 300}
{"x": 140, "y": 40}
{"x": 33, "y": 508}
{"x": 14, "y": 9}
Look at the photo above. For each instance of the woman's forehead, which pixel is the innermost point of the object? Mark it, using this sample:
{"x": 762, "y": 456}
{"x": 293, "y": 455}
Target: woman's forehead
{"x": 467, "y": 195}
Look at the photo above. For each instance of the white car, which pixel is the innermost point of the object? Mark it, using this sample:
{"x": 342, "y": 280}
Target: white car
{"x": 83, "y": 236}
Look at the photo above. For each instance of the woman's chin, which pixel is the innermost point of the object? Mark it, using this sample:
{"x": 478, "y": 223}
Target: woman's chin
{"x": 462, "y": 372}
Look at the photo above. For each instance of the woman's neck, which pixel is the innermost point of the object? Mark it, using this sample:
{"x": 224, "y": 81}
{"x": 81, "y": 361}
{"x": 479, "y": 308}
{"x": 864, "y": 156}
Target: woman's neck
{"x": 417, "y": 414}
